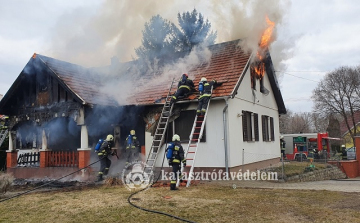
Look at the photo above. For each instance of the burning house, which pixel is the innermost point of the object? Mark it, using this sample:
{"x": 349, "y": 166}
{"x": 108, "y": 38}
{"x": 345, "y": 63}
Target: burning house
{"x": 56, "y": 114}
{"x": 56, "y": 109}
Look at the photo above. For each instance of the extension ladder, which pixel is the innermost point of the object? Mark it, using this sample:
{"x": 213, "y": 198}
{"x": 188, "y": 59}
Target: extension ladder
{"x": 3, "y": 134}
{"x": 195, "y": 137}
{"x": 159, "y": 133}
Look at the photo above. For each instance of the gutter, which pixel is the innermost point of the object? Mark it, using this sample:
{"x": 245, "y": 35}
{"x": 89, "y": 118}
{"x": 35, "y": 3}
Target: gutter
{"x": 226, "y": 136}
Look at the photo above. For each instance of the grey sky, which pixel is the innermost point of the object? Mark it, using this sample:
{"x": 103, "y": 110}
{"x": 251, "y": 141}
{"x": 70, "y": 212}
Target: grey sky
{"x": 312, "y": 37}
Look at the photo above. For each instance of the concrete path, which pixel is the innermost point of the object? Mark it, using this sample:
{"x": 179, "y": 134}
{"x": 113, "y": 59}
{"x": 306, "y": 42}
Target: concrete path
{"x": 346, "y": 185}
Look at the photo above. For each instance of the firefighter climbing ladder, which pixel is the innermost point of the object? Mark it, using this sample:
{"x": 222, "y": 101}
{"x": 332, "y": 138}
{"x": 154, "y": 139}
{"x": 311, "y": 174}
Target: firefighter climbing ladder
{"x": 195, "y": 137}
{"x": 3, "y": 134}
{"x": 159, "y": 133}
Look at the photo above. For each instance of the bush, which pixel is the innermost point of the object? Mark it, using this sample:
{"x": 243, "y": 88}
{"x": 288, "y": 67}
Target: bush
{"x": 6, "y": 181}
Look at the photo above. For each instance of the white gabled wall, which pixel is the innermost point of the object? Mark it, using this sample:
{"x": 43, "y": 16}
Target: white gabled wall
{"x": 212, "y": 153}
{"x": 261, "y": 104}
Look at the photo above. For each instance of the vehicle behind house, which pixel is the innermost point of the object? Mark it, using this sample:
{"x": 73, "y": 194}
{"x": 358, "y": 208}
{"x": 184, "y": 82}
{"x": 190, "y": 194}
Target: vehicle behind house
{"x": 307, "y": 145}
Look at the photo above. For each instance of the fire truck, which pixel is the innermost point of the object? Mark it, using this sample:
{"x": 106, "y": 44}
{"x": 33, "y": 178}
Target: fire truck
{"x": 307, "y": 145}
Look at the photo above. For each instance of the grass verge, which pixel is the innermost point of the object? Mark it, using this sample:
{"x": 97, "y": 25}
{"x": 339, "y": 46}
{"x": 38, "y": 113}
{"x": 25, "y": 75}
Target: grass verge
{"x": 201, "y": 203}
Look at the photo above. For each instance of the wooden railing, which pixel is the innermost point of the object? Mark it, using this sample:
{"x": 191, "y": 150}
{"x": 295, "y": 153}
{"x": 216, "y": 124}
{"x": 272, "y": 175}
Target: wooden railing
{"x": 62, "y": 159}
{"x": 27, "y": 159}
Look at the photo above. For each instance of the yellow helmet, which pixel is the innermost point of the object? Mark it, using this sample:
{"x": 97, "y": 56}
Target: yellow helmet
{"x": 132, "y": 132}
{"x": 109, "y": 138}
{"x": 176, "y": 137}
{"x": 203, "y": 79}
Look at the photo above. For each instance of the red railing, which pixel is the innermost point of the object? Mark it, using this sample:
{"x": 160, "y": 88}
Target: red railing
{"x": 62, "y": 159}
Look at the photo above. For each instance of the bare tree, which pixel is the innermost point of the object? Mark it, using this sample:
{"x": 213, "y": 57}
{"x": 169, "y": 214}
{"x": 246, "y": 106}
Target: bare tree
{"x": 296, "y": 122}
{"x": 339, "y": 94}
{"x": 319, "y": 122}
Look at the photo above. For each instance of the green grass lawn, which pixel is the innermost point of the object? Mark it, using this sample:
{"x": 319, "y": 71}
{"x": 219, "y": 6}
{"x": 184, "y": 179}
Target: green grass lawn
{"x": 200, "y": 203}
{"x": 295, "y": 168}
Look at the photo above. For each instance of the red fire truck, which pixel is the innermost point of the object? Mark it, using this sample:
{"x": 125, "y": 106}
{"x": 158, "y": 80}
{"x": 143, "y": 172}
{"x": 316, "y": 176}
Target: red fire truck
{"x": 307, "y": 145}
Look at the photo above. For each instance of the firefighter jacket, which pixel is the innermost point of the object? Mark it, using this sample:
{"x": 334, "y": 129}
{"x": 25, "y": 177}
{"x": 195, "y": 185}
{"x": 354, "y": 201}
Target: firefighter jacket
{"x": 188, "y": 84}
{"x": 132, "y": 142}
{"x": 105, "y": 148}
{"x": 207, "y": 88}
{"x": 177, "y": 153}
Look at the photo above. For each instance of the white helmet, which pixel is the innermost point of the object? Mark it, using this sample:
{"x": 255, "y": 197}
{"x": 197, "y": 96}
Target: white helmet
{"x": 176, "y": 137}
{"x": 203, "y": 79}
{"x": 109, "y": 138}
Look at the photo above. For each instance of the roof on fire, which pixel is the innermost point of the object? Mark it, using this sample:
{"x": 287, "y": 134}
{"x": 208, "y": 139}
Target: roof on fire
{"x": 228, "y": 63}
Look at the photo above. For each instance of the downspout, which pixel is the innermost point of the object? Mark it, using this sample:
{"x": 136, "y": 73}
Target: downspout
{"x": 225, "y": 136}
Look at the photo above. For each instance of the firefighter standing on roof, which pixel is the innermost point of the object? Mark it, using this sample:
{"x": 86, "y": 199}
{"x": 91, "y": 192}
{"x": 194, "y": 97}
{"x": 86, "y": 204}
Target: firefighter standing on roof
{"x": 103, "y": 154}
{"x": 185, "y": 86}
{"x": 205, "y": 94}
{"x": 132, "y": 147}
{"x": 175, "y": 156}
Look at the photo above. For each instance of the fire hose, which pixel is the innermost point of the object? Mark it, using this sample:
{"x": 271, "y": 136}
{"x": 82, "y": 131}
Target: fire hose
{"x": 28, "y": 191}
{"x": 128, "y": 199}
{"x": 154, "y": 211}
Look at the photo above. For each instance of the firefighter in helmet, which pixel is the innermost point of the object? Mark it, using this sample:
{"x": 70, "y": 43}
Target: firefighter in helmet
{"x": 132, "y": 147}
{"x": 185, "y": 87}
{"x": 175, "y": 156}
{"x": 282, "y": 147}
{"x": 343, "y": 152}
{"x": 205, "y": 94}
{"x": 103, "y": 154}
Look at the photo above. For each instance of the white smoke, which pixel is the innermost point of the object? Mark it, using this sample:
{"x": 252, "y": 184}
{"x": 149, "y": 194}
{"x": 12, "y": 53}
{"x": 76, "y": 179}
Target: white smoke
{"x": 91, "y": 38}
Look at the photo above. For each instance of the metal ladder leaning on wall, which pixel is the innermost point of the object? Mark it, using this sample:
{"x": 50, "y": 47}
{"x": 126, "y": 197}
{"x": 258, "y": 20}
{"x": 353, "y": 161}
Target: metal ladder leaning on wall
{"x": 159, "y": 135}
{"x": 195, "y": 137}
{"x": 3, "y": 134}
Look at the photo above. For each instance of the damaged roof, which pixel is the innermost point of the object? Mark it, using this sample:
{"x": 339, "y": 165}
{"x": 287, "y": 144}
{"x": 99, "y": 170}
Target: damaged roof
{"x": 81, "y": 81}
{"x": 227, "y": 64}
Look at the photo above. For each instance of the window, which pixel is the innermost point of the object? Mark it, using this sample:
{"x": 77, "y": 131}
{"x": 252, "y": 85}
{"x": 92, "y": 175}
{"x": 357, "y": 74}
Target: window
{"x": 268, "y": 128}
{"x": 250, "y": 126}
{"x": 183, "y": 126}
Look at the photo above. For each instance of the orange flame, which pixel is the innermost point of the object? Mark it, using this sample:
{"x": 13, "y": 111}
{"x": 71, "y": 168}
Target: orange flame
{"x": 259, "y": 66}
{"x": 266, "y": 37}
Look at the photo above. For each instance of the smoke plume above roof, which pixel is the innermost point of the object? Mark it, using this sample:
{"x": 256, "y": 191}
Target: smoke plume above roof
{"x": 91, "y": 38}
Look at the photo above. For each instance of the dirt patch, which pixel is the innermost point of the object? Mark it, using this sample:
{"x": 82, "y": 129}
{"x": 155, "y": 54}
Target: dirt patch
{"x": 353, "y": 204}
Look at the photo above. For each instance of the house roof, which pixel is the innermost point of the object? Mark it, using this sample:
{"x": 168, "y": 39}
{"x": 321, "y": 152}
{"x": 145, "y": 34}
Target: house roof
{"x": 81, "y": 81}
{"x": 228, "y": 64}
{"x": 344, "y": 129}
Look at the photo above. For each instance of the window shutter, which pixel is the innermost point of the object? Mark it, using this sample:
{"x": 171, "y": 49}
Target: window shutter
{"x": 263, "y": 127}
{"x": 244, "y": 124}
{"x": 272, "y": 129}
{"x": 256, "y": 126}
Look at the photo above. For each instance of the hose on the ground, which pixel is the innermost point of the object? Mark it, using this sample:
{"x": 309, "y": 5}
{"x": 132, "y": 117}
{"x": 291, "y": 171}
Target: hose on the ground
{"x": 28, "y": 191}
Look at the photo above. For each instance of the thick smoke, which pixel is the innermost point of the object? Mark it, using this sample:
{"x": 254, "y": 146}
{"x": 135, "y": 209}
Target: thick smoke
{"x": 90, "y": 38}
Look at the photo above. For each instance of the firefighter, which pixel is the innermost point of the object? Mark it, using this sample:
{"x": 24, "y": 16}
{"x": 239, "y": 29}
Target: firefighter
{"x": 282, "y": 146}
{"x": 175, "y": 156}
{"x": 103, "y": 154}
{"x": 185, "y": 87}
{"x": 205, "y": 94}
{"x": 132, "y": 147}
{"x": 343, "y": 152}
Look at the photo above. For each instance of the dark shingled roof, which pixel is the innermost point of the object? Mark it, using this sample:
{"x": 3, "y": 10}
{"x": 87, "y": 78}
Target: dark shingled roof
{"x": 81, "y": 81}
